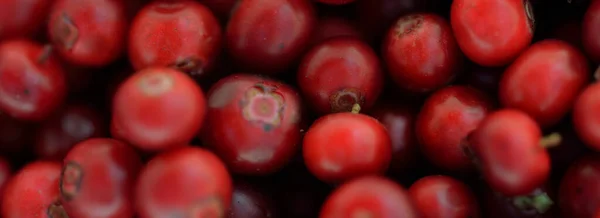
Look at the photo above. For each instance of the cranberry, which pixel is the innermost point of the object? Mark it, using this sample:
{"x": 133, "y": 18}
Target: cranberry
{"x": 492, "y": 32}
{"x": 445, "y": 119}
{"x": 253, "y": 123}
{"x": 88, "y": 32}
{"x": 376, "y": 16}
{"x": 267, "y": 36}
{"x": 188, "y": 182}
{"x": 591, "y": 31}
{"x": 5, "y": 175}
{"x": 585, "y": 119}
{"x": 249, "y": 202}
{"x": 33, "y": 192}
{"x": 331, "y": 27}
{"x": 339, "y": 73}
{"x": 22, "y": 18}
{"x": 579, "y": 193}
{"x": 443, "y": 196}
{"x": 97, "y": 179}
{"x": 75, "y": 123}
{"x": 538, "y": 204}
{"x": 434, "y": 57}
{"x": 335, "y": 2}
{"x": 550, "y": 68}
{"x": 341, "y": 146}
{"x": 369, "y": 197}
{"x": 399, "y": 122}
{"x": 23, "y": 65}
{"x": 509, "y": 149}
{"x": 146, "y": 103}
{"x": 181, "y": 34}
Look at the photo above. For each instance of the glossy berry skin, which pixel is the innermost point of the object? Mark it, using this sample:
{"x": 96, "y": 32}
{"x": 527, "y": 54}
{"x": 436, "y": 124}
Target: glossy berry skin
{"x": 22, "y": 65}
{"x": 158, "y": 108}
{"x": 19, "y": 18}
{"x": 267, "y": 36}
{"x": 498, "y": 206}
{"x": 591, "y": 31}
{"x": 492, "y": 32}
{"x": 446, "y": 118}
{"x": 443, "y": 196}
{"x": 579, "y": 192}
{"x": 342, "y": 146}
{"x": 189, "y": 182}
{"x": 88, "y": 32}
{"x": 253, "y": 123}
{"x": 335, "y": 2}
{"x": 585, "y": 119}
{"x": 249, "y": 202}
{"x": 180, "y": 34}
{"x": 551, "y": 68}
{"x": 507, "y": 148}
{"x": 369, "y": 196}
{"x": 421, "y": 53}
{"x": 339, "y": 73}
{"x": 97, "y": 179}
{"x": 331, "y": 27}
{"x": 73, "y": 124}
{"x": 33, "y": 192}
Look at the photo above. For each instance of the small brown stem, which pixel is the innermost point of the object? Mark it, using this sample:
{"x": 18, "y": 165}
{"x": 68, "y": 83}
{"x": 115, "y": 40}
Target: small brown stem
{"x": 551, "y": 140}
{"x": 45, "y": 55}
{"x": 356, "y": 108}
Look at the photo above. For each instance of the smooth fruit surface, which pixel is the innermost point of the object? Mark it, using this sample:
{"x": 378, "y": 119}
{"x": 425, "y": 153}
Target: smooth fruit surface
{"x": 585, "y": 120}
{"x": 22, "y": 18}
{"x": 443, "y": 196}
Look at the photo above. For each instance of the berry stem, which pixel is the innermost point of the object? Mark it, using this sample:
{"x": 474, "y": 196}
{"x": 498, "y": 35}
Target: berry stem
{"x": 540, "y": 202}
{"x": 356, "y": 108}
{"x": 551, "y": 140}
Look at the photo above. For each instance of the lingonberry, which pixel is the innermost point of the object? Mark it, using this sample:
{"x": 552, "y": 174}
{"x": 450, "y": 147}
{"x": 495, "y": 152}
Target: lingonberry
{"x": 181, "y": 34}
{"x": 445, "y": 119}
{"x": 253, "y": 123}
{"x": 249, "y": 202}
{"x": 97, "y": 179}
{"x": 399, "y": 120}
{"x": 32, "y": 82}
{"x": 421, "y": 53}
{"x": 591, "y": 31}
{"x": 158, "y": 108}
{"x": 339, "y": 73}
{"x": 20, "y": 18}
{"x": 88, "y": 32}
{"x": 73, "y": 124}
{"x": 376, "y": 16}
{"x": 188, "y": 182}
{"x": 538, "y": 204}
{"x": 267, "y": 36}
{"x": 5, "y": 175}
{"x": 510, "y": 152}
{"x": 369, "y": 197}
{"x": 585, "y": 119}
{"x": 579, "y": 192}
{"x": 492, "y": 32}
{"x": 33, "y": 192}
{"x": 342, "y": 146}
{"x": 443, "y": 196}
{"x": 331, "y": 27}
{"x": 550, "y": 68}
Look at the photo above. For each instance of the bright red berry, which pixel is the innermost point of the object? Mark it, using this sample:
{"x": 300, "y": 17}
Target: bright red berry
{"x": 579, "y": 193}
{"x": 158, "y": 108}
{"x": 179, "y": 34}
{"x": 585, "y": 119}
{"x": 591, "y": 31}
{"x": 32, "y": 82}
{"x": 492, "y": 32}
{"x": 253, "y": 123}
{"x": 188, "y": 182}
{"x": 22, "y": 18}
{"x": 443, "y": 196}
{"x": 421, "y": 53}
{"x": 552, "y": 69}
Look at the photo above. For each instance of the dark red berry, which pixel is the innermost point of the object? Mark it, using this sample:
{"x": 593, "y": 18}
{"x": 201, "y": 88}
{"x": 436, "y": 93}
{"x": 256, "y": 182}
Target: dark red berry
{"x": 249, "y": 202}
{"x": 443, "y": 196}
{"x": 591, "y": 31}
{"x": 579, "y": 192}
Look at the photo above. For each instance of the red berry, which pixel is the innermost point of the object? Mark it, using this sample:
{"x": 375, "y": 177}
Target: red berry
{"x": 253, "y": 123}
{"x": 180, "y": 34}
{"x": 445, "y": 119}
{"x": 510, "y": 152}
{"x": 5, "y": 175}
{"x": 75, "y": 123}
{"x": 22, "y": 18}
{"x": 331, "y": 27}
{"x": 369, "y": 197}
{"x": 579, "y": 193}
{"x": 585, "y": 119}
{"x": 249, "y": 202}
{"x": 159, "y": 108}
{"x": 32, "y": 82}
{"x": 33, "y": 192}
{"x": 492, "y": 32}
{"x": 544, "y": 81}
{"x": 335, "y": 2}
{"x": 267, "y": 36}
{"x": 187, "y": 182}
{"x": 88, "y": 32}
{"x": 342, "y": 146}
{"x": 97, "y": 179}
{"x": 537, "y": 204}
{"x": 399, "y": 122}
{"x": 421, "y": 53}
{"x": 591, "y": 31}
{"x": 443, "y": 196}
{"x": 339, "y": 73}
